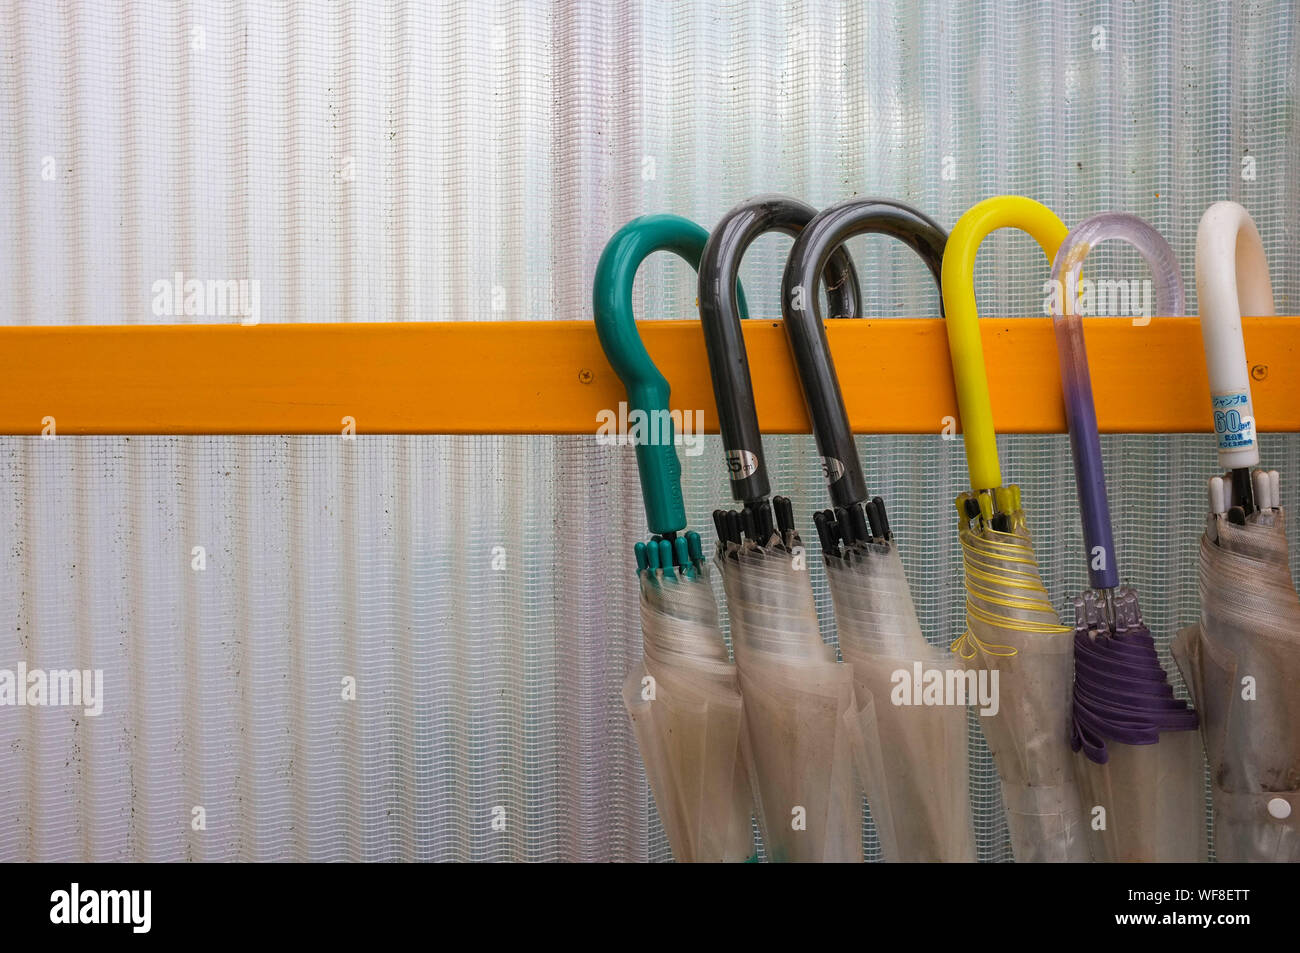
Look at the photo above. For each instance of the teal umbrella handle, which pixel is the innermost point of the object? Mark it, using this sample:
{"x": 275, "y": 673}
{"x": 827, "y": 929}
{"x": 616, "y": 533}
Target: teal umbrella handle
{"x": 647, "y": 389}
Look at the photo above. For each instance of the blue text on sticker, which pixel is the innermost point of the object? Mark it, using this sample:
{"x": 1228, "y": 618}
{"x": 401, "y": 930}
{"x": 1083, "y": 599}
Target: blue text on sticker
{"x": 1235, "y": 430}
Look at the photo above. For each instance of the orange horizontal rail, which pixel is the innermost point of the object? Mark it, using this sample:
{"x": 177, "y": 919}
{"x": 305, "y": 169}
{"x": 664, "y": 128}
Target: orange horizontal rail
{"x": 551, "y": 376}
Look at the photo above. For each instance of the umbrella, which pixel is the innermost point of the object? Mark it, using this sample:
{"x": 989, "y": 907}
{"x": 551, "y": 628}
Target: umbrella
{"x": 1242, "y": 661}
{"x": 812, "y": 738}
{"x": 1014, "y": 642}
{"x": 924, "y": 747}
{"x": 683, "y": 698}
{"x": 1139, "y": 767}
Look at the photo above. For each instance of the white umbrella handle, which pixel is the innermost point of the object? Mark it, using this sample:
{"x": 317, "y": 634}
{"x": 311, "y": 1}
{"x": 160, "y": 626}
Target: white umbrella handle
{"x": 1231, "y": 278}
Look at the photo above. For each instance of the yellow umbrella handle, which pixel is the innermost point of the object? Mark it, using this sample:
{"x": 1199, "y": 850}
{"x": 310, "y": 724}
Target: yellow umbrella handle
{"x": 1003, "y": 211}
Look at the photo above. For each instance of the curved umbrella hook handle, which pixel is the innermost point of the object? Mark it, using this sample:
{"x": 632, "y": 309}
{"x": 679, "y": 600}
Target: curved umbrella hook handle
{"x": 647, "y": 388}
{"x": 1076, "y": 382}
{"x": 964, "y": 344}
{"x": 728, "y": 363}
{"x": 823, "y": 237}
{"x": 1231, "y": 278}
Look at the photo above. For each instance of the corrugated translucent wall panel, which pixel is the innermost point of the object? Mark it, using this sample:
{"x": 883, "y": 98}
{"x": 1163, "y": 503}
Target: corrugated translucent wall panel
{"x": 415, "y": 161}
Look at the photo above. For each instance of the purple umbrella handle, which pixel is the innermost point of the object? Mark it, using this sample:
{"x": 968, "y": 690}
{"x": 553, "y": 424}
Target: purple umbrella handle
{"x": 1089, "y": 475}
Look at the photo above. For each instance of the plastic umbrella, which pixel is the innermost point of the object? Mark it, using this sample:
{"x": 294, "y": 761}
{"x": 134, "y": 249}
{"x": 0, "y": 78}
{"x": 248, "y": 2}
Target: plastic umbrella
{"x": 812, "y": 737}
{"x": 1242, "y": 661}
{"x": 683, "y": 698}
{"x": 924, "y": 747}
{"x": 1014, "y": 640}
{"x": 1139, "y": 768}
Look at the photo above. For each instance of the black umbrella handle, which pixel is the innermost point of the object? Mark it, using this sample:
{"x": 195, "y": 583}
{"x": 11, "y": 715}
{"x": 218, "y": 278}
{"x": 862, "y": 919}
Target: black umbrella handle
{"x": 728, "y": 363}
{"x": 819, "y": 243}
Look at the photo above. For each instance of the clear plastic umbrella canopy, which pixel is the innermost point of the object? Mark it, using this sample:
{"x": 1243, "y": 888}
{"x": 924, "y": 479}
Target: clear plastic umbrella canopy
{"x": 923, "y": 746}
{"x": 1242, "y": 660}
{"x": 1139, "y": 768}
{"x": 1014, "y": 641}
{"x": 684, "y": 697}
{"x": 812, "y": 734}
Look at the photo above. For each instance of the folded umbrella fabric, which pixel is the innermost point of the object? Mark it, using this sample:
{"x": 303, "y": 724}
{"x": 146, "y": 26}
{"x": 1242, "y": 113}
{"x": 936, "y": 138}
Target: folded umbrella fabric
{"x": 813, "y": 742}
{"x": 1242, "y": 664}
{"x": 1015, "y": 640}
{"x": 685, "y": 705}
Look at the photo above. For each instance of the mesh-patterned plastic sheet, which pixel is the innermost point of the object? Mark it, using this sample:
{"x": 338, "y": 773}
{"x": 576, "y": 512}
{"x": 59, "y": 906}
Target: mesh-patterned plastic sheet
{"x": 467, "y": 162}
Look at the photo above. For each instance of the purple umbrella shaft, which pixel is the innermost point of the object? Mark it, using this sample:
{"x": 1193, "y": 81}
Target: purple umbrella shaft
{"x": 1090, "y": 476}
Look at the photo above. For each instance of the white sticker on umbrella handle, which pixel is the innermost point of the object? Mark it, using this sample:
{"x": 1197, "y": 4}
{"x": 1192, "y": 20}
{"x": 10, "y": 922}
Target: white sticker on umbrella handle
{"x": 1234, "y": 425}
{"x": 832, "y": 469}
{"x": 741, "y": 464}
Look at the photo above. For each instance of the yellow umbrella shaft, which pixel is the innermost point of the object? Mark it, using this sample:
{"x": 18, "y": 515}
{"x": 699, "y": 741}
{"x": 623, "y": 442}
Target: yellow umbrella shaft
{"x": 1005, "y": 211}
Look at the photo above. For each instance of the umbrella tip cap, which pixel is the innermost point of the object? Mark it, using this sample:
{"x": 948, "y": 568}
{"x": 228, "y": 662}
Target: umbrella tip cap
{"x": 695, "y": 547}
